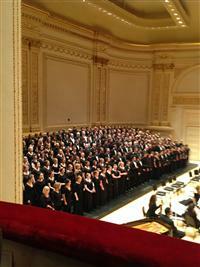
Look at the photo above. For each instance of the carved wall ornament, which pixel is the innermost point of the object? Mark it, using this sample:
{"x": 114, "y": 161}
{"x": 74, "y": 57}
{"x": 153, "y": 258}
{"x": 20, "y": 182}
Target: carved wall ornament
{"x": 128, "y": 65}
{"x": 66, "y": 50}
{"x": 31, "y": 42}
{"x": 164, "y": 66}
{"x": 186, "y": 100}
{"x": 100, "y": 60}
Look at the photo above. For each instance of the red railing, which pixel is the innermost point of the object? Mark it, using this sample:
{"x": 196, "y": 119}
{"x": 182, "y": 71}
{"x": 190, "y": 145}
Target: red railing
{"x": 93, "y": 241}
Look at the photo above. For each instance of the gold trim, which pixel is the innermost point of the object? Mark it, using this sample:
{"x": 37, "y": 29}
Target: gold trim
{"x": 65, "y": 25}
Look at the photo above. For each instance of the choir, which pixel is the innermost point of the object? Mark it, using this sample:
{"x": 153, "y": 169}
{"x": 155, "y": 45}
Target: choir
{"x": 79, "y": 170}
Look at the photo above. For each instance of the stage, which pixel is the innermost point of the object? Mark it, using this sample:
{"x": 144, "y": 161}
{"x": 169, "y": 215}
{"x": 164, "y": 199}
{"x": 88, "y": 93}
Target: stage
{"x": 133, "y": 210}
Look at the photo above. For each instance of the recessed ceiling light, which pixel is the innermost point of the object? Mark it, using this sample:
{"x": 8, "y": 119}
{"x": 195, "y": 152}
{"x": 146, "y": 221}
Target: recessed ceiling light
{"x": 175, "y": 14}
{"x": 183, "y": 25}
{"x": 104, "y": 10}
{"x": 166, "y": 1}
{"x": 172, "y": 9}
{"x": 109, "y": 13}
{"x": 180, "y": 22}
{"x": 178, "y": 18}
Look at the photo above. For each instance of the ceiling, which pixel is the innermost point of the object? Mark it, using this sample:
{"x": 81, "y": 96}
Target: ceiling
{"x": 136, "y": 21}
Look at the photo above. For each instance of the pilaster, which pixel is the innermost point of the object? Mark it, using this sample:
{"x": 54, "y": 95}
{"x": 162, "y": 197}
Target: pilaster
{"x": 10, "y": 102}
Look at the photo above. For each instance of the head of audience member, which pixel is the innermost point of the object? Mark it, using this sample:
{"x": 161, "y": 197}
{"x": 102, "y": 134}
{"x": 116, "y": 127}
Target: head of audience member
{"x": 168, "y": 212}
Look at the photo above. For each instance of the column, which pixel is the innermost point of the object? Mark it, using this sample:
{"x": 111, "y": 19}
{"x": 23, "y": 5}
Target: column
{"x": 10, "y": 102}
{"x": 162, "y": 76}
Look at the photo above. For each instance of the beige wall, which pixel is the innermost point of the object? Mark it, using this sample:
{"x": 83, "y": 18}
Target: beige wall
{"x": 128, "y": 97}
{"x": 74, "y": 76}
{"x": 67, "y": 92}
{"x": 185, "y": 106}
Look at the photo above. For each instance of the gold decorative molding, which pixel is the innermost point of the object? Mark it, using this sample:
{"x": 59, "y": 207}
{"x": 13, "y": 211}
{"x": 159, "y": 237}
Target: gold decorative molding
{"x": 164, "y": 66}
{"x": 129, "y": 65}
{"x": 32, "y": 17}
{"x": 31, "y": 42}
{"x": 64, "y": 49}
{"x": 100, "y": 60}
{"x": 186, "y": 100}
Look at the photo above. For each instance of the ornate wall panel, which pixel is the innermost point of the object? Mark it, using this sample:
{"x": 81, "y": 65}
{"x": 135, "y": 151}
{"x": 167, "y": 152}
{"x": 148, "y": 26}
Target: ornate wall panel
{"x": 67, "y": 98}
{"x": 25, "y": 93}
{"x": 128, "y": 97}
{"x": 165, "y": 99}
{"x": 156, "y": 91}
{"x": 34, "y": 106}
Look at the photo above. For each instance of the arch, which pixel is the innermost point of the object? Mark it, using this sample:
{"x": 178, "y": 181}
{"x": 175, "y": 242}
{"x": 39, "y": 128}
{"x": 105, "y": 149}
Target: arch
{"x": 188, "y": 76}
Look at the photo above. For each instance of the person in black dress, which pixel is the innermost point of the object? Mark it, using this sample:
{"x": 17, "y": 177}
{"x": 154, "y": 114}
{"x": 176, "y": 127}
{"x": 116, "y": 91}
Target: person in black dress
{"x": 96, "y": 195}
{"x": 110, "y": 183}
{"x": 46, "y": 169}
{"x": 103, "y": 186}
{"x": 38, "y": 187}
{"x": 115, "y": 178}
{"x": 62, "y": 176}
{"x": 78, "y": 196}
{"x": 45, "y": 199}
{"x": 67, "y": 196}
{"x": 151, "y": 213}
{"x": 89, "y": 190}
{"x": 123, "y": 179}
{"x": 51, "y": 181}
{"x": 29, "y": 192}
{"x": 36, "y": 170}
{"x": 56, "y": 197}
{"x": 26, "y": 173}
{"x": 55, "y": 168}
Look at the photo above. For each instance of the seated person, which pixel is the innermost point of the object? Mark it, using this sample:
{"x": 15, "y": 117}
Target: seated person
{"x": 197, "y": 195}
{"x": 190, "y": 217}
{"x": 166, "y": 218}
{"x": 151, "y": 213}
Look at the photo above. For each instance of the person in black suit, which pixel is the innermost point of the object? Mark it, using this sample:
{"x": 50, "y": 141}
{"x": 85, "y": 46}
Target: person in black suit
{"x": 191, "y": 217}
{"x": 166, "y": 218}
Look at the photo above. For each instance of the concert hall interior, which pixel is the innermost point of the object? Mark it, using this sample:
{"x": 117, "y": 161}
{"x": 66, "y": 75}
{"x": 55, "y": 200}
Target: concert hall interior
{"x": 99, "y": 133}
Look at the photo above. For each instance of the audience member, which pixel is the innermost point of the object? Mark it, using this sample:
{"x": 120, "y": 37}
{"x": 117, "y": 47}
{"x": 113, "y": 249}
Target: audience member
{"x": 166, "y": 218}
